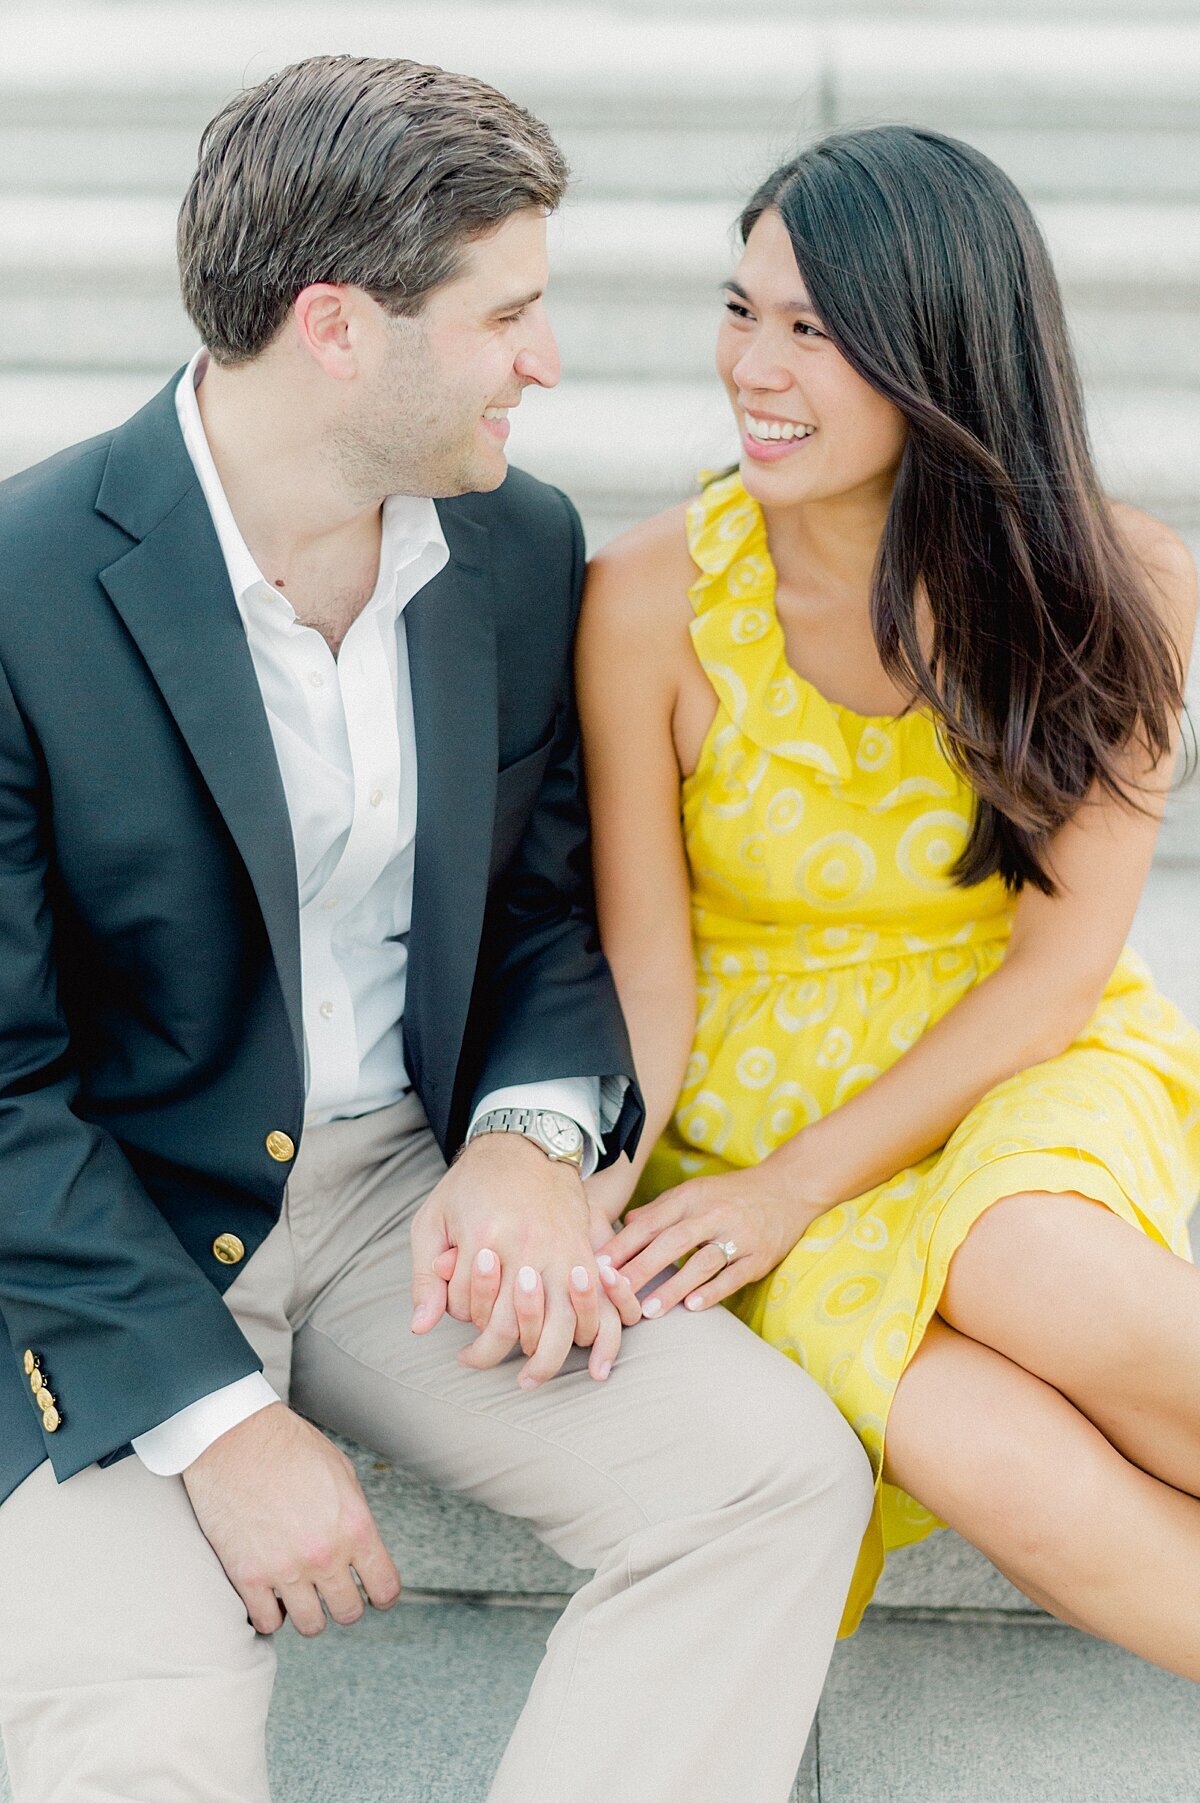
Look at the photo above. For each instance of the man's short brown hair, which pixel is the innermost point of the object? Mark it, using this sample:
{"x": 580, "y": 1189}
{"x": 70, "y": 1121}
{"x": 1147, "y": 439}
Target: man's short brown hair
{"x": 370, "y": 171}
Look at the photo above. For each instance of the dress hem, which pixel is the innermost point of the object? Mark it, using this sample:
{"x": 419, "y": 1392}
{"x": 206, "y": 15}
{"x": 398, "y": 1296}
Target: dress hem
{"x": 1060, "y": 1171}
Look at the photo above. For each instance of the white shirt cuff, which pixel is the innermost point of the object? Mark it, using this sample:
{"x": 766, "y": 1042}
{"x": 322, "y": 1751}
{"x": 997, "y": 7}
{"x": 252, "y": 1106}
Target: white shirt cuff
{"x": 169, "y": 1448}
{"x": 576, "y": 1097}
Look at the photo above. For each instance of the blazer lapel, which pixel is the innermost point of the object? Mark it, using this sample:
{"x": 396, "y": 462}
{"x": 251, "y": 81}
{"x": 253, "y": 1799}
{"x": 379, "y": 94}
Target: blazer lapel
{"x": 172, "y": 591}
{"x": 452, "y": 660}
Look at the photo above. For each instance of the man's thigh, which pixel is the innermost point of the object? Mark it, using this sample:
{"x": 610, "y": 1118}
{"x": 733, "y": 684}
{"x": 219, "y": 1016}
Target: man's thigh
{"x": 697, "y": 1415}
{"x": 128, "y": 1669}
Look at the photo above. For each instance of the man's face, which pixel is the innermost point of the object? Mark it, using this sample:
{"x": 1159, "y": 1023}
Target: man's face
{"x": 430, "y": 416}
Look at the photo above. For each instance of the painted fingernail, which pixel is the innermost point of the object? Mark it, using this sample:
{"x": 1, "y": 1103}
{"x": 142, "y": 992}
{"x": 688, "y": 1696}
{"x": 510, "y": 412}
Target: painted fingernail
{"x": 485, "y": 1263}
{"x": 603, "y": 1370}
{"x": 527, "y": 1280}
{"x": 604, "y": 1258}
{"x": 528, "y": 1383}
{"x": 580, "y": 1280}
{"x": 653, "y": 1306}
{"x": 694, "y": 1302}
{"x": 607, "y": 1274}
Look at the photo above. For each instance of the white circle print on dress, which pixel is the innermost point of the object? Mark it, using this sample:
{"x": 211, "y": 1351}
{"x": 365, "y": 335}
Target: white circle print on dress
{"x": 929, "y": 847}
{"x": 836, "y": 870}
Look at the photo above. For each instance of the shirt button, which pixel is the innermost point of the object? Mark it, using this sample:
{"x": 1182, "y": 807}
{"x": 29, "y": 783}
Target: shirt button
{"x": 327, "y": 1010}
{"x": 376, "y": 797}
{"x": 228, "y": 1248}
{"x": 331, "y": 901}
{"x": 316, "y": 680}
{"x": 281, "y": 1146}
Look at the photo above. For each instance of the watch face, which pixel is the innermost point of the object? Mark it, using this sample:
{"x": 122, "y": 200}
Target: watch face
{"x": 560, "y": 1133}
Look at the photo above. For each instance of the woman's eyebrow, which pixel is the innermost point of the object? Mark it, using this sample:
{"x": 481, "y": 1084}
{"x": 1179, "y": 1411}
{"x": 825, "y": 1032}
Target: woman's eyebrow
{"x": 802, "y": 305}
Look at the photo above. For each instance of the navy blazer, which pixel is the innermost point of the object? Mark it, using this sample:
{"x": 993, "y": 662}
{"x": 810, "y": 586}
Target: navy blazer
{"x": 150, "y": 1017}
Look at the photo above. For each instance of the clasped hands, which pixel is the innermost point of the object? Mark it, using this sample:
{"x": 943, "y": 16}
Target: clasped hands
{"x": 530, "y": 1259}
{"x": 508, "y": 1241}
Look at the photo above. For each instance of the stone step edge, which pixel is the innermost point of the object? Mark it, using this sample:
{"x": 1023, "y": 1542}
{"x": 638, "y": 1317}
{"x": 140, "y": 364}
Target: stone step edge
{"x": 1118, "y": 247}
{"x": 612, "y": 58}
{"x": 960, "y": 1614}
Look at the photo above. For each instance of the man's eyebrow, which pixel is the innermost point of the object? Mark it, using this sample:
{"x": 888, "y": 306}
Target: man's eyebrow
{"x": 514, "y": 306}
{"x": 803, "y": 305}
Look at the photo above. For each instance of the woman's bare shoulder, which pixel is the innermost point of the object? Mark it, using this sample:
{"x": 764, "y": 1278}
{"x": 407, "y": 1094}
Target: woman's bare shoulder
{"x": 638, "y": 582}
{"x": 1168, "y": 562}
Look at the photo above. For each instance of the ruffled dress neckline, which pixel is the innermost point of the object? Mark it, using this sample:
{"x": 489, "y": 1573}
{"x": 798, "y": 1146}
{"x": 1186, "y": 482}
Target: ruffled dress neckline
{"x": 878, "y": 760}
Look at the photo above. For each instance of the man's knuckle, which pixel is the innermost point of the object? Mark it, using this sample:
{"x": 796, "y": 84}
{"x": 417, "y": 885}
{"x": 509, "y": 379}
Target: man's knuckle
{"x": 357, "y": 1521}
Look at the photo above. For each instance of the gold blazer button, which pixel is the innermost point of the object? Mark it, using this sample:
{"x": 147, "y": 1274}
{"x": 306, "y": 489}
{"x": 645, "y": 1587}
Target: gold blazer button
{"x": 31, "y": 1361}
{"x": 281, "y": 1147}
{"x": 229, "y": 1249}
{"x": 45, "y": 1401}
{"x": 51, "y": 1420}
{"x": 36, "y": 1381}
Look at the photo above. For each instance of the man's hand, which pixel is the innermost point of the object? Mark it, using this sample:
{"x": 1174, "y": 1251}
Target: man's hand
{"x": 504, "y": 1242}
{"x": 284, "y": 1512}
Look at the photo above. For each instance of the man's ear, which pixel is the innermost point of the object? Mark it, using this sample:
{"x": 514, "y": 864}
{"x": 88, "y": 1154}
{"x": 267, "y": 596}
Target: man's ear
{"x": 326, "y": 320}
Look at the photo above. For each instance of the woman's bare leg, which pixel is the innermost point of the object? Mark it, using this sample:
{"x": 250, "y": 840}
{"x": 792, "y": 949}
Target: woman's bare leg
{"x": 1067, "y": 1290}
{"x": 1020, "y": 1472}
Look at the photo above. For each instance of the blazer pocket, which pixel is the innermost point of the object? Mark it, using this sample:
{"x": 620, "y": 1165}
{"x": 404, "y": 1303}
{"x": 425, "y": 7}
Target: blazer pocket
{"x": 517, "y": 786}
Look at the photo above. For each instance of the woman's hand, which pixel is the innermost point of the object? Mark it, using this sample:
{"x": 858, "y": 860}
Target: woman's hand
{"x": 758, "y": 1211}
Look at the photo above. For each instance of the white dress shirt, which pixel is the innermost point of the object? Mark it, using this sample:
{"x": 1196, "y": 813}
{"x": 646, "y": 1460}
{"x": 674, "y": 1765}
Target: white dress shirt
{"x": 343, "y": 734}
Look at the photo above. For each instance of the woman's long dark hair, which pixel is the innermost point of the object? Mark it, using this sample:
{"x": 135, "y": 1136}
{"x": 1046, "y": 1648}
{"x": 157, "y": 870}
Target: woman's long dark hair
{"x": 929, "y": 274}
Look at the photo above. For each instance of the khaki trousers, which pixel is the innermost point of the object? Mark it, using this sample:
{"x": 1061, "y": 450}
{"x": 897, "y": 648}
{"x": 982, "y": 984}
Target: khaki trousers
{"x": 715, "y": 1491}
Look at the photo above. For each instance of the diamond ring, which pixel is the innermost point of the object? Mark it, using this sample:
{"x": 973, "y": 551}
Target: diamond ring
{"x": 727, "y": 1247}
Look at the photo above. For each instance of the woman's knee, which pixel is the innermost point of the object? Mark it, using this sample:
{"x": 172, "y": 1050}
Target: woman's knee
{"x": 1027, "y": 1253}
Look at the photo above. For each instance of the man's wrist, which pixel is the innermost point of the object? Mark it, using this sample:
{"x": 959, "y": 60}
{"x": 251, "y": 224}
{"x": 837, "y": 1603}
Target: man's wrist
{"x": 508, "y": 1150}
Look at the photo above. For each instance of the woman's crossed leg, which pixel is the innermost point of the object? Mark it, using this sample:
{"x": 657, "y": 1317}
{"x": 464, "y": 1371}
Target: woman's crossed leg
{"x": 1052, "y": 1416}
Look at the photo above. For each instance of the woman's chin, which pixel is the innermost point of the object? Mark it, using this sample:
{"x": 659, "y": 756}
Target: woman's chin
{"x": 777, "y": 482}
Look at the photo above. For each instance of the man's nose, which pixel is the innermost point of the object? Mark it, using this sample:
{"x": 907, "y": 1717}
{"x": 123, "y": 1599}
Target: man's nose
{"x": 538, "y": 360}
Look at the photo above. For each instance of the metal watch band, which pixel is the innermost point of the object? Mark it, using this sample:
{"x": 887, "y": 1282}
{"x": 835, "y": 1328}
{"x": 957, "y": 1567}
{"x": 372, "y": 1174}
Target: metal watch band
{"x": 527, "y": 1122}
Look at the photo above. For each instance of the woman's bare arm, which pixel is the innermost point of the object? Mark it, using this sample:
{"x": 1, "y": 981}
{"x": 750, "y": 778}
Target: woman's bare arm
{"x": 631, "y": 644}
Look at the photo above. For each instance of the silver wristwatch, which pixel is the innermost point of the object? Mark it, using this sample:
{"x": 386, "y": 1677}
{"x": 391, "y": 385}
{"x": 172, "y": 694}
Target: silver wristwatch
{"x": 559, "y": 1137}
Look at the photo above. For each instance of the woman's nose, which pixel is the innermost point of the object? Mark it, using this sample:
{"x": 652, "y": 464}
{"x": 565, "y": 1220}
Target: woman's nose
{"x": 757, "y": 369}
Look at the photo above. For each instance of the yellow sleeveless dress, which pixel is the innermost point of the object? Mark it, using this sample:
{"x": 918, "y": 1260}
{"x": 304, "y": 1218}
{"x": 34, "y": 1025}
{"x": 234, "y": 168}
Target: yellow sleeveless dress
{"x": 828, "y": 937}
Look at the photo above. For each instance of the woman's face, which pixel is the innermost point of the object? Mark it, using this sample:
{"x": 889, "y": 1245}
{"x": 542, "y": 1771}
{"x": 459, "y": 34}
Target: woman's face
{"x": 811, "y": 427}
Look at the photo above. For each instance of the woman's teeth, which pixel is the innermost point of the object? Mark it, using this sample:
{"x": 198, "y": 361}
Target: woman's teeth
{"x": 768, "y": 430}
{"x": 495, "y": 413}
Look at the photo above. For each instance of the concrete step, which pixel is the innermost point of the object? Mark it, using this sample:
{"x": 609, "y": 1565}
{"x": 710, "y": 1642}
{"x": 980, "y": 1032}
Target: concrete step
{"x": 115, "y": 95}
{"x": 416, "y": 1707}
{"x": 976, "y": 1712}
{"x": 1093, "y": 11}
{"x": 89, "y": 282}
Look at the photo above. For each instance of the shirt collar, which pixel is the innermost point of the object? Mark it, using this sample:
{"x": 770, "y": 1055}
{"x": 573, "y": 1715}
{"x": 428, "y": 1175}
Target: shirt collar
{"x": 411, "y": 532}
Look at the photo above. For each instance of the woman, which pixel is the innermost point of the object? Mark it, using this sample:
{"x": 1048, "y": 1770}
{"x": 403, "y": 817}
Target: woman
{"x": 880, "y": 729}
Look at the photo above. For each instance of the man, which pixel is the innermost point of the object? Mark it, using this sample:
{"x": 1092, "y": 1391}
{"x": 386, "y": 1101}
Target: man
{"x": 294, "y": 901}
